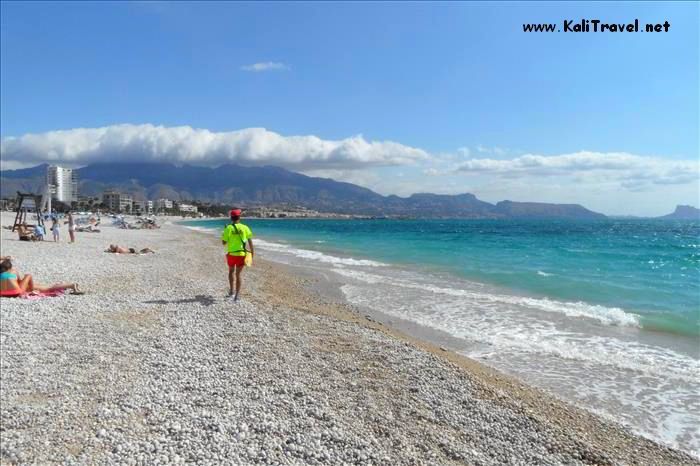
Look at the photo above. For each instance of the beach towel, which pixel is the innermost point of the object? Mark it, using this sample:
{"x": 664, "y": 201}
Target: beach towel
{"x": 34, "y": 295}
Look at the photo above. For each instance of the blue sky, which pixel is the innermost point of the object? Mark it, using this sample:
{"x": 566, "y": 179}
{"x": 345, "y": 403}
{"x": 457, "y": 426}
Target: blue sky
{"x": 441, "y": 94}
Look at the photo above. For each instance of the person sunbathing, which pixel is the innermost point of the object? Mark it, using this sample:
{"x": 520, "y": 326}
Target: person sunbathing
{"x": 122, "y": 250}
{"x": 88, "y": 229}
{"x": 11, "y": 285}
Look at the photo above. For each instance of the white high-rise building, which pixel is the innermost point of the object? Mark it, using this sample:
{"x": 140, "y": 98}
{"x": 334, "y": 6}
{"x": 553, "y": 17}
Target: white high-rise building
{"x": 63, "y": 183}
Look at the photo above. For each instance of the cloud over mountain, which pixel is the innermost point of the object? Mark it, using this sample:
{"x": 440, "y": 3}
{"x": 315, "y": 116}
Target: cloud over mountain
{"x": 628, "y": 169}
{"x": 184, "y": 144}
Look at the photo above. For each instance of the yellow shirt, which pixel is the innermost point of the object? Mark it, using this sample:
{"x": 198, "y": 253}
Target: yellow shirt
{"x": 236, "y": 236}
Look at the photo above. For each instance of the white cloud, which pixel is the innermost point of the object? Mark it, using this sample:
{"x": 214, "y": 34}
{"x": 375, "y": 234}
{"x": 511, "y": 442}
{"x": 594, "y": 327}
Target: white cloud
{"x": 13, "y": 165}
{"x": 614, "y": 182}
{"x": 184, "y": 144}
{"x": 497, "y": 151}
{"x": 631, "y": 171}
{"x": 265, "y": 66}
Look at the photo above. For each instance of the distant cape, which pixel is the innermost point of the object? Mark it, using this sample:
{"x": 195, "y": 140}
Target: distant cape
{"x": 684, "y": 212}
{"x": 236, "y": 184}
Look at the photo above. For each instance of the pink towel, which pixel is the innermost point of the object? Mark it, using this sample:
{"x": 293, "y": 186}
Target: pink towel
{"x": 43, "y": 294}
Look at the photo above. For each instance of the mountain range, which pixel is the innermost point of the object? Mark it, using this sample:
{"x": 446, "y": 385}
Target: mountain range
{"x": 235, "y": 184}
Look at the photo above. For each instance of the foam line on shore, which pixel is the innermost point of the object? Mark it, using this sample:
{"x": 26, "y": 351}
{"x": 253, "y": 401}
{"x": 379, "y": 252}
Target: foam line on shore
{"x": 603, "y": 314}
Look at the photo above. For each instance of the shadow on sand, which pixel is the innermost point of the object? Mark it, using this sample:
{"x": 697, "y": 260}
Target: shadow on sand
{"x": 200, "y": 298}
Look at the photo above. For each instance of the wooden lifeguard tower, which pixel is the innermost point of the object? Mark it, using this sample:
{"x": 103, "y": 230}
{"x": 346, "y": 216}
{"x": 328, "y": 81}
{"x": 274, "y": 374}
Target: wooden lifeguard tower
{"x": 23, "y": 214}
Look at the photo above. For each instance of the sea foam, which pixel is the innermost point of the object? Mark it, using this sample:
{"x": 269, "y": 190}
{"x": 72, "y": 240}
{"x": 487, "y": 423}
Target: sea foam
{"x": 316, "y": 255}
{"x": 603, "y": 314}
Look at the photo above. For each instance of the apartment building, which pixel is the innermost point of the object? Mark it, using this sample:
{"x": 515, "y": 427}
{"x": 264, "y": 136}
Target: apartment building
{"x": 117, "y": 201}
{"x": 62, "y": 183}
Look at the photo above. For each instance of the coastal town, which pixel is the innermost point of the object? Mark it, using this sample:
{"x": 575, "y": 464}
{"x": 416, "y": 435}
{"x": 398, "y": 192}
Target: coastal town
{"x": 61, "y": 193}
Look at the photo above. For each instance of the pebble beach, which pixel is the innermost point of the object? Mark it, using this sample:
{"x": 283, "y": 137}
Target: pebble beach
{"x": 155, "y": 365}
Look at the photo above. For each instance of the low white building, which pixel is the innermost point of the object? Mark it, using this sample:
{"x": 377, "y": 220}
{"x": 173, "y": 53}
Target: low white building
{"x": 118, "y": 202}
{"x": 162, "y": 204}
{"x": 187, "y": 208}
{"x": 145, "y": 207}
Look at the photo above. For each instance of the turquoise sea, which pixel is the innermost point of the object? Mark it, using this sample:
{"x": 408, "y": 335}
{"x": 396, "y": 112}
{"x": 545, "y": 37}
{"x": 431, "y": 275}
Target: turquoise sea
{"x": 605, "y": 313}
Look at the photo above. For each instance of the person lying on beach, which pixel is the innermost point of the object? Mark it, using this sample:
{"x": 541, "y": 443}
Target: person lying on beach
{"x": 88, "y": 229}
{"x": 122, "y": 250}
{"x": 11, "y": 285}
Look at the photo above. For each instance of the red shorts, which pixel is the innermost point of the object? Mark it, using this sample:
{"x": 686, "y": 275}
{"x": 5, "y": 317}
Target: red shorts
{"x": 235, "y": 260}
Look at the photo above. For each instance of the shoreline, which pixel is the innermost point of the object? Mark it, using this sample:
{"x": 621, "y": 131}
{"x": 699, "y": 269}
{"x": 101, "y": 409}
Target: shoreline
{"x": 604, "y": 360}
{"x": 327, "y": 284}
{"x": 535, "y": 400}
{"x": 301, "y": 363}
{"x": 647, "y": 319}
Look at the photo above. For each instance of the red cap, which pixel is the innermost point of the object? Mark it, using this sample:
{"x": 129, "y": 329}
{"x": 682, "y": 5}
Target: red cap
{"x": 235, "y": 213}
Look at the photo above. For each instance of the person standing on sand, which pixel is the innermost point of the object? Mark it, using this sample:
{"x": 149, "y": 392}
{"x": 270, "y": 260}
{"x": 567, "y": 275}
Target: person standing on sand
{"x": 235, "y": 237}
{"x": 55, "y": 229}
{"x": 71, "y": 227}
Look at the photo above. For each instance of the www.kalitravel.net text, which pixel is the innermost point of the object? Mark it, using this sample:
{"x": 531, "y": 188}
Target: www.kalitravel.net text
{"x": 596, "y": 25}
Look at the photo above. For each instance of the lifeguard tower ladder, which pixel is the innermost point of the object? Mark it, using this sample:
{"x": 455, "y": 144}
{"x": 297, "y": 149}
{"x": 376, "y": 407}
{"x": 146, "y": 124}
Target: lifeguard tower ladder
{"x": 22, "y": 214}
